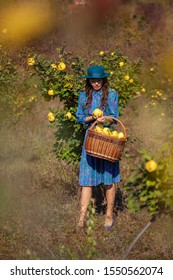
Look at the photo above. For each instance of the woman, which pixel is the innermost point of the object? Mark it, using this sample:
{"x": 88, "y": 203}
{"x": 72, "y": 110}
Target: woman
{"x": 94, "y": 171}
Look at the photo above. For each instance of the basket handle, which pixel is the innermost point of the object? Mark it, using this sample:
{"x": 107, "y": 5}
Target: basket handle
{"x": 115, "y": 119}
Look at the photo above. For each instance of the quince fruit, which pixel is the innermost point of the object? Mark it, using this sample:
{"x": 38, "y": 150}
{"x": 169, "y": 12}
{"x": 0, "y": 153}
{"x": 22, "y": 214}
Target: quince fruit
{"x": 114, "y": 133}
{"x": 31, "y": 61}
{"x": 68, "y": 115}
{"x": 98, "y": 113}
{"x": 106, "y": 131}
{"x": 121, "y": 135}
{"x": 51, "y": 117}
{"x": 61, "y": 66}
{"x": 50, "y": 92}
{"x": 151, "y": 166}
{"x": 99, "y": 127}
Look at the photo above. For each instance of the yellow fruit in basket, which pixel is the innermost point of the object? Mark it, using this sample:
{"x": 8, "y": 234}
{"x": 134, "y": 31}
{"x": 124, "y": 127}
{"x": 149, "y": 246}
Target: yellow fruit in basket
{"x": 98, "y": 113}
{"x": 114, "y": 133}
{"x": 121, "y": 135}
{"x": 106, "y": 131}
{"x": 99, "y": 127}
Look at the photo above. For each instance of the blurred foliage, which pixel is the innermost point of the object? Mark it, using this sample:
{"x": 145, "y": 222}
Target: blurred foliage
{"x": 18, "y": 91}
{"x": 150, "y": 185}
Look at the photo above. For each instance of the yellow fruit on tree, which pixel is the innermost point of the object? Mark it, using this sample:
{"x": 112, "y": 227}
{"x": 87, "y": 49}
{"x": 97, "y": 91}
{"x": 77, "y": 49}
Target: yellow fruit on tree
{"x": 151, "y": 166}
{"x": 121, "y": 135}
{"x": 121, "y": 64}
{"x": 50, "y": 114}
{"x": 51, "y": 117}
{"x": 31, "y": 61}
{"x": 114, "y": 133}
{"x": 68, "y": 115}
{"x": 126, "y": 77}
{"x": 61, "y": 66}
{"x": 53, "y": 66}
{"x": 50, "y": 92}
{"x": 98, "y": 113}
{"x": 102, "y": 53}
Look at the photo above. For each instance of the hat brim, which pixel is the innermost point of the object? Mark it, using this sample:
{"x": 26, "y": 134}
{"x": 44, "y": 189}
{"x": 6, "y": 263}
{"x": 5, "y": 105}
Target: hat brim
{"x": 96, "y": 77}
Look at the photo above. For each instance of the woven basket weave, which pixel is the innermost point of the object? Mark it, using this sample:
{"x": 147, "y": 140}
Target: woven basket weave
{"x": 105, "y": 146}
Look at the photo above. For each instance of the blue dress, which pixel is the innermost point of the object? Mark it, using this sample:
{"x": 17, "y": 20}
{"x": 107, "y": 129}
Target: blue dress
{"x": 94, "y": 171}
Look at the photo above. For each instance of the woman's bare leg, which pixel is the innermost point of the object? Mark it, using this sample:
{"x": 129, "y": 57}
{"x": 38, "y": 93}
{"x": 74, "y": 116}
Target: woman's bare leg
{"x": 110, "y": 198}
{"x": 85, "y": 199}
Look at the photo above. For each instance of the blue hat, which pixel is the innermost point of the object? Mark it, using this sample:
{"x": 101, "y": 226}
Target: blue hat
{"x": 96, "y": 72}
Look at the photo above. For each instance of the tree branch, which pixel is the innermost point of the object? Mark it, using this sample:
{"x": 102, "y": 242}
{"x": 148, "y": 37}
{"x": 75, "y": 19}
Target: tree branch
{"x": 132, "y": 244}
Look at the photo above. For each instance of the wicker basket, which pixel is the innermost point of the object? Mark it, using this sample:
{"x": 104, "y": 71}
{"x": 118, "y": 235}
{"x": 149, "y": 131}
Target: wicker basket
{"x": 105, "y": 146}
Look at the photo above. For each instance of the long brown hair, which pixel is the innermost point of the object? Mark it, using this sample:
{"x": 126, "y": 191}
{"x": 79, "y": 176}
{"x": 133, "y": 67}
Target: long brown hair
{"x": 104, "y": 89}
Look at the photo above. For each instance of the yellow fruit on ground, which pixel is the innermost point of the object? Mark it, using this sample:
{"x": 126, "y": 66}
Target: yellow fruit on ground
{"x": 61, "y": 66}
{"x": 121, "y": 135}
{"x": 106, "y": 131}
{"x": 98, "y": 113}
{"x": 114, "y": 133}
{"x": 151, "y": 166}
{"x": 50, "y": 92}
{"x": 68, "y": 115}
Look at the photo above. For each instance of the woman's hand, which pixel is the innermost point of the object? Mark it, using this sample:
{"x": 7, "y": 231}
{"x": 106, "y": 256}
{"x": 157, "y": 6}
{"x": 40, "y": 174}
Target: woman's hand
{"x": 90, "y": 119}
{"x": 101, "y": 119}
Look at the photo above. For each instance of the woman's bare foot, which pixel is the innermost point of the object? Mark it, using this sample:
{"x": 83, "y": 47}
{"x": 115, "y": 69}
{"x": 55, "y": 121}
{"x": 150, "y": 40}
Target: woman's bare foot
{"x": 81, "y": 221}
